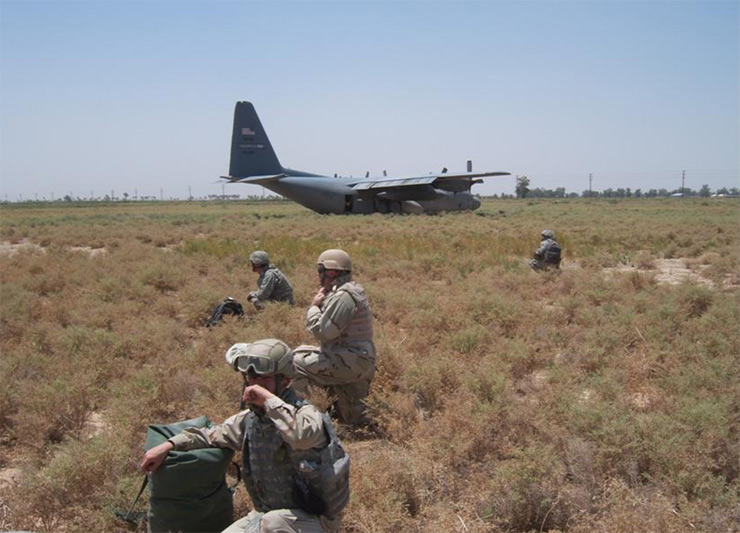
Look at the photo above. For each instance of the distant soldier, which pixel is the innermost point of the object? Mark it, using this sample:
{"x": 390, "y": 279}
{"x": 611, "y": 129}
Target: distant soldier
{"x": 273, "y": 285}
{"x": 548, "y": 254}
{"x": 341, "y": 320}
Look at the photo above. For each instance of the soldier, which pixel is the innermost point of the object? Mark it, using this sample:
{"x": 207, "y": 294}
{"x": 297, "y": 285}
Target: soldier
{"x": 273, "y": 285}
{"x": 341, "y": 320}
{"x": 548, "y": 254}
{"x": 284, "y": 442}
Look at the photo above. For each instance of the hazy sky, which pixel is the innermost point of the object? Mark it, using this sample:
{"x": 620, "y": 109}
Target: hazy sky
{"x": 138, "y": 97}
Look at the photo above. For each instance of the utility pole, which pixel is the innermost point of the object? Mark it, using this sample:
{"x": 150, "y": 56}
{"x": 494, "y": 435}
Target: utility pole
{"x": 161, "y": 194}
{"x": 590, "y": 178}
{"x": 683, "y": 183}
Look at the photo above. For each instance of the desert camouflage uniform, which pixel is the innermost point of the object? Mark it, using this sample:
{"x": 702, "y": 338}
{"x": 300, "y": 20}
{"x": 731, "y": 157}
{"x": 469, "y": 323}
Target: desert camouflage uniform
{"x": 273, "y": 286}
{"x": 270, "y": 474}
{"x": 541, "y": 261}
{"x": 345, "y": 361}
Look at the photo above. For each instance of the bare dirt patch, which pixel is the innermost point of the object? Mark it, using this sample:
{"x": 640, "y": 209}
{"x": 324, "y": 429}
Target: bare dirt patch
{"x": 92, "y": 252}
{"x": 12, "y": 248}
{"x": 94, "y": 425}
{"x": 641, "y": 400}
{"x": 9, "y": 477}
{"x": 668, "y": 271}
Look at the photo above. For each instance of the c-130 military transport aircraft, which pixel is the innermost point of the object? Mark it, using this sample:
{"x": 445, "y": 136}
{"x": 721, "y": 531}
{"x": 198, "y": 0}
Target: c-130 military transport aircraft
{"x": 254, "y": 161}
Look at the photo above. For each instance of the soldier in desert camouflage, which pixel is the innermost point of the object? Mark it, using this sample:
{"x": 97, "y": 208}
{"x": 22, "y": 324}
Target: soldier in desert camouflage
{"x": 341, "y": 320}
{"x": 284, "y": 442}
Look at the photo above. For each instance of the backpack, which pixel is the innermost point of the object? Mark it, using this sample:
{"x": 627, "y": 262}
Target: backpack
{"x": 228, "y": 307}
{"x": 189, "y": 493}
{"x": 552, "y": 255}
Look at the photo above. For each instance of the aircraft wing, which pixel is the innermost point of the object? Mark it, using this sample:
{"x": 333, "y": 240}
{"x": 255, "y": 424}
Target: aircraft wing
{"x": 258, "y": 180}
{"x": 446, "y": 181}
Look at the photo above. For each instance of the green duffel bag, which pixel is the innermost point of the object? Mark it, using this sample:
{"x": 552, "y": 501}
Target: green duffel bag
{"x": 188, "y": 493}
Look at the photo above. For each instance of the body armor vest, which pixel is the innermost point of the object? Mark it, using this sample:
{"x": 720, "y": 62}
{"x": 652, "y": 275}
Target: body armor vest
{"x": 278, "y": 477}
{"x": 360, "y": 328}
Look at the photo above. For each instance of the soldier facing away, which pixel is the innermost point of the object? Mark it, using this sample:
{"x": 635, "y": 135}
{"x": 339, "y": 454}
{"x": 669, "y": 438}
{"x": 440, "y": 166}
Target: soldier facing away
{"x": 272, "y": 284}
{"x": 341, "y": 320}
{"x": 284, "y": 443}
{"x": 548, "y": 254}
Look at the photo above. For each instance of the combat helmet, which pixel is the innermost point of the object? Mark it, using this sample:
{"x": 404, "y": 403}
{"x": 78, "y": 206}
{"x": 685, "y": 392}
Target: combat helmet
{"x": 547, "y": 234}
{"x": 264, "y": 357}
{"x": 335, "y": 260}
{"x": 259, "y": 258}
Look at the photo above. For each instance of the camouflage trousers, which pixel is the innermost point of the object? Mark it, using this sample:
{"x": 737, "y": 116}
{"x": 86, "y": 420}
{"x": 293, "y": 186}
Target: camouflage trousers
{"x": 281, "y": 521}
{"x": 345, "y": 374}
{"x": 538, "y": 264}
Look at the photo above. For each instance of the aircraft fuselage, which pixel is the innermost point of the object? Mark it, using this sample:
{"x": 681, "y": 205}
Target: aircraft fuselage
{"x": 327, "y": 195}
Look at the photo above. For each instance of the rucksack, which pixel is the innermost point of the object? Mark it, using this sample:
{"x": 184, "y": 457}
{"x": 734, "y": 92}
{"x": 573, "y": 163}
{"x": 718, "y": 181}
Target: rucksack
{"x": 228, "y": 307}
{"x": 552, "y": 255}
{"x": 188, "y": 492}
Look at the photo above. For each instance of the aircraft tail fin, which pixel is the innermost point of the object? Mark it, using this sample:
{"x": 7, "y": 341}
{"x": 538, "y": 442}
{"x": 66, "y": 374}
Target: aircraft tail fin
{"x": 251, "y": 151}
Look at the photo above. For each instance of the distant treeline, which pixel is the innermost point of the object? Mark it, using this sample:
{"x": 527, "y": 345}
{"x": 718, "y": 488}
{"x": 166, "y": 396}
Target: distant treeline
{"x": 704, "y": 192}
{"x": 127, "y": 198}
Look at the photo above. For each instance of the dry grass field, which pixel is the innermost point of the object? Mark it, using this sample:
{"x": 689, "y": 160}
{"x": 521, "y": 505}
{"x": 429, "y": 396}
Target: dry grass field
{"x": 601, "y": 398}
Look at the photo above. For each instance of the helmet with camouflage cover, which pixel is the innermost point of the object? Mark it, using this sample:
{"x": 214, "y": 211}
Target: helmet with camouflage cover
{"x": 335, "y": 260}
{"x": 264, "y": 357}
{"x": 259, "y": 258}
{"x": 547, "y": 234}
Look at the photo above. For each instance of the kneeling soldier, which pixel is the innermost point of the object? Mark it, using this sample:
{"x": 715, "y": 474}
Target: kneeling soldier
{"x": 273, "y": 285}
{"x": 341, "y": 319}
{"x": 548, "y": 254}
